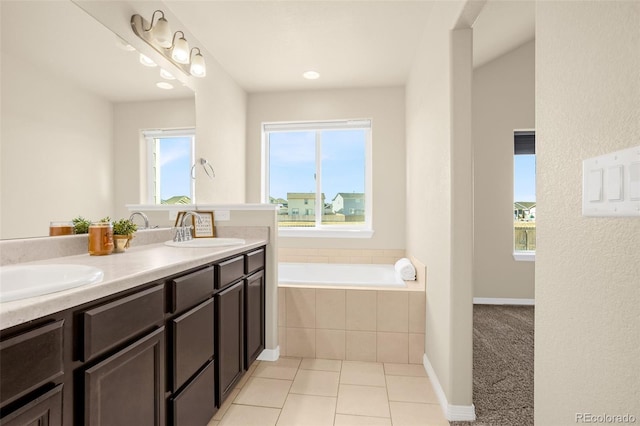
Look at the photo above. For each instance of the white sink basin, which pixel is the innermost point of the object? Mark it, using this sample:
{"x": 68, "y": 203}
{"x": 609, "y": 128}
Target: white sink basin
{"x": 22, "y": 281}
{"x": 206, "y": 242}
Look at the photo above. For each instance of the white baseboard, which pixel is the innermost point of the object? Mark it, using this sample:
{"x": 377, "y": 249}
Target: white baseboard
{"x": 502, "y": 301}
{"x": 451, "y": 412}
{"x": 269, "y": 354}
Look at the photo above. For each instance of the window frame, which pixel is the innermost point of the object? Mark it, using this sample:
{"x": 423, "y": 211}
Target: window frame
{"x": 322, "y": 230}
{"x": 150, "y": 137}
{"x": 523, "y": 144}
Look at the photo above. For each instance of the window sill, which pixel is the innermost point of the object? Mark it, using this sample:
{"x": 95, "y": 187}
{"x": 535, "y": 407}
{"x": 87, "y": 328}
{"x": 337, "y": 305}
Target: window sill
{"x": 325, "y": 233}
{"x": 524, "y": 256}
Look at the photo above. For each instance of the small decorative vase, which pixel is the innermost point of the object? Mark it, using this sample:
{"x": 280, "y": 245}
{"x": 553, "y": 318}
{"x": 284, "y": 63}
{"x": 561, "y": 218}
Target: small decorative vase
{"x": 121, "y": 243}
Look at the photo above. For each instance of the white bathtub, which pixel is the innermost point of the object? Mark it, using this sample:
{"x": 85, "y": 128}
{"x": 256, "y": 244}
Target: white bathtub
{"x": 338, "y": 275}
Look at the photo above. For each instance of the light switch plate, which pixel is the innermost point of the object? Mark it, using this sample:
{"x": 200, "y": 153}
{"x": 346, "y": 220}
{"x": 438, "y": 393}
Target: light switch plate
{"x": 611, "y": 184}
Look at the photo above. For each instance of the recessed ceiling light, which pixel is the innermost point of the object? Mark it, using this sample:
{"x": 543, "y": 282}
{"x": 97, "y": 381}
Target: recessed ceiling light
{"x": 166, "y": 74}
{"x": 164, "y": 85}
{"x": 146, "y": 61}
{"x": 311, "y": 75}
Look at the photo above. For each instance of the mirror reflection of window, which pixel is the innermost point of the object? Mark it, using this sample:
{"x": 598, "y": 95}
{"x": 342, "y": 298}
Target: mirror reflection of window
{"x": 170, "y": 155}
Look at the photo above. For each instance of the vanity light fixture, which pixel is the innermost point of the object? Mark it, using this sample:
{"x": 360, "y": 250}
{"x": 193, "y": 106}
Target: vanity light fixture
{"x": 180, "y": 49}
{"x": 198, "y": 67}
{"x": 160, "y": 31}
{"x": 174, "y": 48}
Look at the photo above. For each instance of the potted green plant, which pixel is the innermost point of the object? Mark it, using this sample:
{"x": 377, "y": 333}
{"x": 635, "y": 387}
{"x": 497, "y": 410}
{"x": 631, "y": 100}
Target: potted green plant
{"x": 123, "y": 231}
{"x": 81, "y": 225}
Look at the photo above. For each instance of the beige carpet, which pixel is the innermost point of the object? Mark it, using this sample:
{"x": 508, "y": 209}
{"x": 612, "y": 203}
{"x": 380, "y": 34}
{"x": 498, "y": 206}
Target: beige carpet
{"x": 502, "y": 365}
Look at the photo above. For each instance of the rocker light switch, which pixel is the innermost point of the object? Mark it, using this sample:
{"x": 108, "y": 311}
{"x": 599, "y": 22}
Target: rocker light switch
{"x": 594, "y": 185}
{"x": 634, "y": 181}
{"x": 614, "y": 183}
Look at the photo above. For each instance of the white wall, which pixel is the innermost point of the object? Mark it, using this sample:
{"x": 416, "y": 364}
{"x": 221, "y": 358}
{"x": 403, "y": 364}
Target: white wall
{"x": 503, "y": 101}
{"x": 57, "y": 158}
{"x": 130, "y": 118}
{"x": 587, "y": 354}
{"x": 385, "y": 106}
{"x": 438, "y": 186}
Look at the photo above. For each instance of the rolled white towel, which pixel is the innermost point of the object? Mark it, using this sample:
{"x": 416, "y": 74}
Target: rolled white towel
{"x": 406, "y": 269}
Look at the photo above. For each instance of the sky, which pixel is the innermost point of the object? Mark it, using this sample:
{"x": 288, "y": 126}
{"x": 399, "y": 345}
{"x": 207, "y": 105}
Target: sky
{"x": 292, "y": 162}
{"x": 175, "y": 166}
{"x": 524, "y": 177}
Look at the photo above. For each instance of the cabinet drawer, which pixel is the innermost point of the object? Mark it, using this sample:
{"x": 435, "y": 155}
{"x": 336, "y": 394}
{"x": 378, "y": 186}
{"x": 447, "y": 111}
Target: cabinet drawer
{"x": 195, "y": 404}
{"x": 113, "y": 323}
{"x": 254, "y": 261}
{"x": 30, "y": 360}
{"x": 44, "y": 410}
{"x": 191, "y": 342}
{"x": 229, "y": 271}
{"x": 190, "y": 289}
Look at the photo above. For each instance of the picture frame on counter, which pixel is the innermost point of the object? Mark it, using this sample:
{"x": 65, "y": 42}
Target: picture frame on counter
{"x": 205, "y": 229}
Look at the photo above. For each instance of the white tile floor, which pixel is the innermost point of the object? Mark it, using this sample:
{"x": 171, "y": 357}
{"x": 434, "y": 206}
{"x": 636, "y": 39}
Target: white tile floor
{"x": 318, "y": 392}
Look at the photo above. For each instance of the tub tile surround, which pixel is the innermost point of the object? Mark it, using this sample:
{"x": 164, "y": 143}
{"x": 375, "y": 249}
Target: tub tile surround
{"x": 358, "y": 325}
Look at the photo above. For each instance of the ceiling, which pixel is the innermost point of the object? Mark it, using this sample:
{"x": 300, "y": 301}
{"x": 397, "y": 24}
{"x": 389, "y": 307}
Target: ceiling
{"x": 266, "y": 45}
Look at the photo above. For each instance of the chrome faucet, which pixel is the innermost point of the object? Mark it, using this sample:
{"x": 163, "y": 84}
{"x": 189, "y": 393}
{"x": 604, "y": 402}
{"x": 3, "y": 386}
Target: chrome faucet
{"x": 183, "y": 233}
{"x": 143, "y": 216}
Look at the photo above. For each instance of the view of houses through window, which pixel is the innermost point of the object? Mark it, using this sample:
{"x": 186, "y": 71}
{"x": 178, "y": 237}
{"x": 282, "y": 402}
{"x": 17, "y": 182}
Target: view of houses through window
{"x": 316, "y": 173}
{"x": 524, "y": 178}
{"x": 170, "y": 155}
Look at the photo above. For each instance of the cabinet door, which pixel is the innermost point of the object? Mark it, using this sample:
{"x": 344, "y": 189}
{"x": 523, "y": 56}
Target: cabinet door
{"x": 254, "y": 325}
{"x": 45, "y": 410}
{"x": 229, "y": 353}
{"x": 127, "y": 388}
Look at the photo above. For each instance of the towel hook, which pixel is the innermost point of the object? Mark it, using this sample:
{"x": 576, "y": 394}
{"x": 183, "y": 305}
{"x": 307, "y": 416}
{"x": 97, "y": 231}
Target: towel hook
{"x": 204, "y": 163}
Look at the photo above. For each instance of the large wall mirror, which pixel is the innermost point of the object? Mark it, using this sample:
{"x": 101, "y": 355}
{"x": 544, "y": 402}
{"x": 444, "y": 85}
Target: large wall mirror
{"x": 74, "y": 101}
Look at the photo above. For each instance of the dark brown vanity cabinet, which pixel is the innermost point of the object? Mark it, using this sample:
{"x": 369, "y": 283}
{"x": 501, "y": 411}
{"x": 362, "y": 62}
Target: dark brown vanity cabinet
{"x": 229, "y": 338}
{"x": 31, "y": 374}
{"x": 163, "y": 353}
{"x": 254, "y": 317}
{"x": 191, "y": 346}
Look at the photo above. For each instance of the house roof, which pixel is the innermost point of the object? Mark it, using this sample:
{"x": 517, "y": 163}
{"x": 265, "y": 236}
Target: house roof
{"x": 178, "y": 199}
{"x": 277, "y": 200}
{"x": 524, "y": 205}
{"x": 299, "y": 195}
{"x": 349, "y": 195}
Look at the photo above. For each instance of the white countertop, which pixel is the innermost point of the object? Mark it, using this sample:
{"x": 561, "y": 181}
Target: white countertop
{"x": 122, "y": 271}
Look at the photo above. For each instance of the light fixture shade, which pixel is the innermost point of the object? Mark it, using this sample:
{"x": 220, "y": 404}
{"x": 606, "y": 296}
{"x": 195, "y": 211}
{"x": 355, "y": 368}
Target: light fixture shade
{"x": 162, "y": 33}
{"x": 198, "y": 67}
{"x": 180, "y": 50}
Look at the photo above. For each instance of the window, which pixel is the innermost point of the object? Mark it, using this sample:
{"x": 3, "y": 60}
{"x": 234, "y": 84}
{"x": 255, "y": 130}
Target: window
{"x": 321, "y": 169}
{"x": 524, "y": 189}
{"x": 170, "y": 156}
